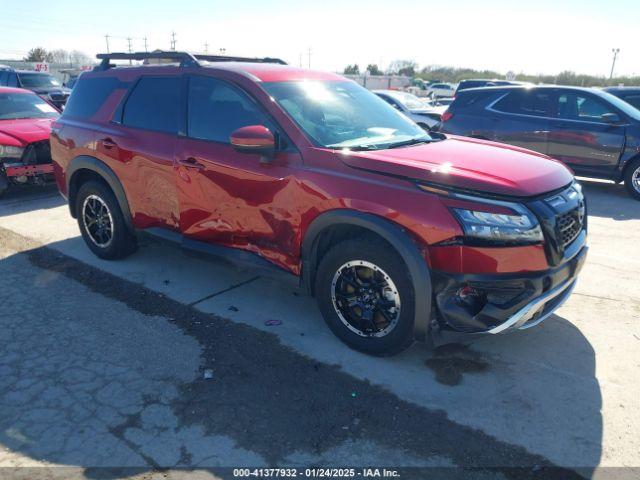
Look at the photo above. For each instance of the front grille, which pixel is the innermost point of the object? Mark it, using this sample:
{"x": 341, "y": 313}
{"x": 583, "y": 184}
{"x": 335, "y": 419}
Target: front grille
{"x": 569, "y": 226}
{"x": 37, "y": 153}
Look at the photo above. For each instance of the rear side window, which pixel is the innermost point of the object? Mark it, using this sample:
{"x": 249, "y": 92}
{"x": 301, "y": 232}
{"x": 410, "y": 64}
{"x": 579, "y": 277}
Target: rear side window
{"x": 89, "y": 95}
{"x": 527, "y": 102}
{"x": 153, "y": 105}
{"x": 3, "y": 77}
{"x": 216, "y": 110}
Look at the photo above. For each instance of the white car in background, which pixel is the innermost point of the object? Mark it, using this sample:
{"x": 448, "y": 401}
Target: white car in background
{"x": 413, "y": 107}
{"x": 436, "y": 90}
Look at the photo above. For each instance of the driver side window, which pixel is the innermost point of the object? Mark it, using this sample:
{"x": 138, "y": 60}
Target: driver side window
{"x": 582, "y": 107}
{"x": 216, "y": 110}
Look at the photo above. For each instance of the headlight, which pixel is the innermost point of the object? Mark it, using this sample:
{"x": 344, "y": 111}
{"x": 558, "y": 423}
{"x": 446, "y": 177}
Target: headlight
{"x": 9, "y": 151}
{"x": 497, "y": 227}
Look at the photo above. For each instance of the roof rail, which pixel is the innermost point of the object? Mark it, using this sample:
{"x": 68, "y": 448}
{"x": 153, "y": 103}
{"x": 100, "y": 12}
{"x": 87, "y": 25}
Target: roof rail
{"x": 185, "y": 59}
{"x": 224, "y": 58}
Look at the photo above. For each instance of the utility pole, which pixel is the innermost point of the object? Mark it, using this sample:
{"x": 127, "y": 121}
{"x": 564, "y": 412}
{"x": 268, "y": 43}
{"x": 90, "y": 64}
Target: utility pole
{"x": 206, "y": 47}
{"x": 615, "y": 52}
{"x": 301, "y": 60}
{"x": 106, "y": 37}
{"x": 129, "y": 44}
{"x": 309, "y": 53}
{"x": 173, "y": 40}
{"x": 146, "y": 49}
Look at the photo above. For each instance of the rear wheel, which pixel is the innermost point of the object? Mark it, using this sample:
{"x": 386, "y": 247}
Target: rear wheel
{"x": 632, "y": 179}
{"x": 102, "y": 223}
{"x": 366, "y": 296}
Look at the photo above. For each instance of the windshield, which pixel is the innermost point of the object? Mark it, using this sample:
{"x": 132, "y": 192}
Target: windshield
{"x": 408, "y": 100}
{"x": 24, "y": 105}
{"x": 620, "y": 104}
{"x": 342, "y": 114}
{"x": 38, "y": 80}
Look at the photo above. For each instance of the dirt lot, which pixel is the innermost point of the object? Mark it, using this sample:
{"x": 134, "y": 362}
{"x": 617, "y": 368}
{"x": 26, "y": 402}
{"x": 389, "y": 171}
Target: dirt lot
{"x": 164, "y": 361}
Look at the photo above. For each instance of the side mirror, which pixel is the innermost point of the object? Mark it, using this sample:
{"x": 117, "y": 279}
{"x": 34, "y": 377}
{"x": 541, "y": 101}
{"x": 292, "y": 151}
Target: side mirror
{"x": 255, "y": 139}
{"x": 610, "y": 118}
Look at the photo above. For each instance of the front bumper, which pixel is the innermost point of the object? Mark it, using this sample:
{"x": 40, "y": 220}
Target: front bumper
{"x": 495, "y": 304}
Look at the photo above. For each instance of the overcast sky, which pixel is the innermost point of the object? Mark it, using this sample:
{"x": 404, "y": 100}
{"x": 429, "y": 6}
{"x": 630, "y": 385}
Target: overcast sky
{"x": 538, "y": 36}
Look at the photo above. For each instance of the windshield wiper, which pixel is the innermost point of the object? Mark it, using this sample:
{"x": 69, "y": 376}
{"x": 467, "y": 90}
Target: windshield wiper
{"x": 406, "y": 143}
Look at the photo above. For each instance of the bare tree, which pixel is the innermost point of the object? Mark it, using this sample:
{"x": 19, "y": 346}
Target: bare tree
{"x": 58, "y": 56}
{"x": 403, "y": 67}
{"x": 79, "y": 58}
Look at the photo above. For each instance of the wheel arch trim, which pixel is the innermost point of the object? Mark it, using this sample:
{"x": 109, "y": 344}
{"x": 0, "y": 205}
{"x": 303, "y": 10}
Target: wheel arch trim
{"x": 86, "y": 162}
{"x": 392, "y": 233}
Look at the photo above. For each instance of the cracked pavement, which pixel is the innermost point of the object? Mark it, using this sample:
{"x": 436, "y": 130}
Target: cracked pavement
{"x": 101, "y": 370}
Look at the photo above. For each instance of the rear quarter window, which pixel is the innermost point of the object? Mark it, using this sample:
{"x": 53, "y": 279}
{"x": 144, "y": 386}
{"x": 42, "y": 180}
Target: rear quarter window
{"x": 88, "y": 96}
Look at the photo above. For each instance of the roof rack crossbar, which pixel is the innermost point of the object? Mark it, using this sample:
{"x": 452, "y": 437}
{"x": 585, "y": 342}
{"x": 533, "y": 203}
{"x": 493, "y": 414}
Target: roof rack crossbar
{"x": 185, "y": 59}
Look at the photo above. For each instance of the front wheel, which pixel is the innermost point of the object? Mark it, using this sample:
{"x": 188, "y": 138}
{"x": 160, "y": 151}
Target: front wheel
{"x": 102, "y": 223}
{"x": 366, "y": 296}
{"x": 632, "y": 179}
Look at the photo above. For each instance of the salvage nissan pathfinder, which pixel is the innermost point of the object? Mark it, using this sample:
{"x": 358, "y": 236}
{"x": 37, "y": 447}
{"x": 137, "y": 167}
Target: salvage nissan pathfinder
{"x": 399, "y": 234}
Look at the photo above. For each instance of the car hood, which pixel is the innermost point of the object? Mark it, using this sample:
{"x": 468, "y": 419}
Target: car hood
{"x": 47, "y": 90}
{"x": 25, "y": 130}
{"x": 469, "y": 164}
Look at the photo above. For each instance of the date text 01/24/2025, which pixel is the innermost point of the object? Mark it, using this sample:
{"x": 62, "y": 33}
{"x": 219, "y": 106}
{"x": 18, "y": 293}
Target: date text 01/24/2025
{"x": 316, "y": 472}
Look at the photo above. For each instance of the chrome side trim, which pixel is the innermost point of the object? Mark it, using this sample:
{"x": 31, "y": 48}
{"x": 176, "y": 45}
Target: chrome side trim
{"x": 518, "y": 320}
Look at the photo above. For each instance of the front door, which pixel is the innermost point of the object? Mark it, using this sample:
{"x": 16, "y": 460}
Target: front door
{"x": 227, "y": 197}
{"x": 581, "y": 138}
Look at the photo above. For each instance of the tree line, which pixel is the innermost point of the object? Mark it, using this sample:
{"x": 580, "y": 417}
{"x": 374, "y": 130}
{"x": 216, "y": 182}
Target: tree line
{"x": 438, "y": 73}
{"x": 60, "y": 56}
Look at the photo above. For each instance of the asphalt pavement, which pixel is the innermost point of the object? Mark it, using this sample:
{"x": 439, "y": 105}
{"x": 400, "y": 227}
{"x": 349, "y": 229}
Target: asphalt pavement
{"x": 168, "y": 363}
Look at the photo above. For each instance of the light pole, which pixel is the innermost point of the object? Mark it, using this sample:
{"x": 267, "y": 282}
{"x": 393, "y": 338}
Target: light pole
{"x": 615, "y": 52}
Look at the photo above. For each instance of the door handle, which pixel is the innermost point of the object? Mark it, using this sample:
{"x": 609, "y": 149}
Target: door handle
{"x": 191, "y": 163}
{"x": 108, "y": 143}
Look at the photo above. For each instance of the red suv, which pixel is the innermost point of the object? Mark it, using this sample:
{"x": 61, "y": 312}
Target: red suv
{"x": 400, "y": 234}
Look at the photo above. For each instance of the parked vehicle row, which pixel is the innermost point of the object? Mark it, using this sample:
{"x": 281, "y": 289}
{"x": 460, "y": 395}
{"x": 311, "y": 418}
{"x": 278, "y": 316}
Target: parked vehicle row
{"x": 42, "y": 83}
{"x": 399, "y": 233}
{"x": 594, "y": 132}
{"x": 421, "y": 112}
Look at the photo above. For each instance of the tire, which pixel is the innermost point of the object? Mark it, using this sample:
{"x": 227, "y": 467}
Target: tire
{"x": 347, "y": 257}
{"x": 632, "y": 179}
{"x": 117, "y": 243}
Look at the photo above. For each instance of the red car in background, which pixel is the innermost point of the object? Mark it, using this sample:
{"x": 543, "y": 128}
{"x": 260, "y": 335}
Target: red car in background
{"x": 25, "y": 123}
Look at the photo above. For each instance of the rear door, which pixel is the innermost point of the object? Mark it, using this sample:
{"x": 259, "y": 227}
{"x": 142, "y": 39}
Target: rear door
{"x": 140, "y": 146}
{"x": 521, "y": 117}
{"x": 581, "y": 138}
